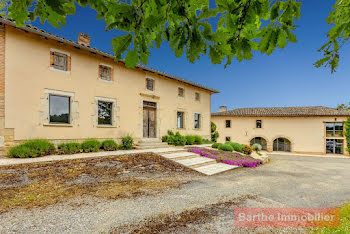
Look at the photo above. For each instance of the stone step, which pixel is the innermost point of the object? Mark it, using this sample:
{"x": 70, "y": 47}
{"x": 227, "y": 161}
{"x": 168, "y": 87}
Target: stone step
{"x": 195, "y": 161}
{"x": 152, "y": 146}
{"x": 179, "y": 155}
{"x": 214, "y": 168}
{"x": 203, "y": 164}
{"x": 150, "y": 140}
{"x": 151, "y": 143}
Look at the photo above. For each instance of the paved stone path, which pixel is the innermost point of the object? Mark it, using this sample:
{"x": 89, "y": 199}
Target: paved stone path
{"x": 198, "y": 163}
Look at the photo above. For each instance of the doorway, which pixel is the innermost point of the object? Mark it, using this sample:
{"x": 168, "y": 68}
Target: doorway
{"x": 149, "y": 119}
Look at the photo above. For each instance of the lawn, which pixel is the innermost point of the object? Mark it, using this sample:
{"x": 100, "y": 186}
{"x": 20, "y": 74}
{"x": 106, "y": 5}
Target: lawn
{"x": 344, "y": 223}
{"x": 232, "y": 158}
{"x": 43, "y": 184}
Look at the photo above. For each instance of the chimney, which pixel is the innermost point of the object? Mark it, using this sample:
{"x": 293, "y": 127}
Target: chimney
{"x": 84, "y": 39}
{"x": 222, "y": 108}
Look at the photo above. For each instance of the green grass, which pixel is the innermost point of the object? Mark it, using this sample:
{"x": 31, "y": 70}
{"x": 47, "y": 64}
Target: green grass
{"x": 344, "y": 226}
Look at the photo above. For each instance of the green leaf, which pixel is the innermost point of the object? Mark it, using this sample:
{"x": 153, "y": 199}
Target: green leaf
{"x": 131, "y": 59}
{"x": 121, "y": 44}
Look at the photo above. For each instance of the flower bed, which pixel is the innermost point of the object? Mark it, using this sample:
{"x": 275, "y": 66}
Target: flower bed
{"x": 230, "y": 158}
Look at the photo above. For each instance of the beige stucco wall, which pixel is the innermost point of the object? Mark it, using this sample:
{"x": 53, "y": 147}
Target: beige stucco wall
{"x": 28, "y": 77}
{"x": 307, "y": 134}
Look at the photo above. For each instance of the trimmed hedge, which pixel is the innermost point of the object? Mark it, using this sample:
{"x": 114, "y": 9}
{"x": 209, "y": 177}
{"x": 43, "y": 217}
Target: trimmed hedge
{"x": 91, "y": 145}
{"x": 236, "y": 146}
{"x": 225, "y": 147}
{"x": 69, "y": 148}
{"x": 109, "y": 145}
{"x": 215, "y": 145}
{"x": 32, "y": 149}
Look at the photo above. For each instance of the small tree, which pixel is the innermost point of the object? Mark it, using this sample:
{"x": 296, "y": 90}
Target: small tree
{"x": 347, "y": 134}
{"x": 214, "y": 133}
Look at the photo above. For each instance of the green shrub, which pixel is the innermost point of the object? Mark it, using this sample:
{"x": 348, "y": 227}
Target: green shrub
{"x": 207, "y": 141}
{"x": 20, "y": 151}
{"x": 257, "y": 147}
{"x": 214, "y": 133}
{"x": 32, "y": 149}
{"x": 236, "y": 146}
{"x": 215, "y": 145}
{"x": 179, "y": 140}
{"x": 247, "y": 150}
{"x": 109, "y": 145}
{"x": 198, "y": 140}
{"x": 69, "y": 148}
{"x": 91, "y": 145}
{"x": 171, "y": 139}
{"x": 171, "y": 133}
{"x": 190, "y": 140}
{"x": 127, "y": 143}
{"x": 225, "y": 147}
{"x": 165, "y": 138}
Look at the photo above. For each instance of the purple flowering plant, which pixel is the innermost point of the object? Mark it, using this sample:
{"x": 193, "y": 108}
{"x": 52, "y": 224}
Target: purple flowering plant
{"x": 231, "y": 158}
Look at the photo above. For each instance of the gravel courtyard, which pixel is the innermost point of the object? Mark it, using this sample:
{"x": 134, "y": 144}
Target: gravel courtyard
{"x": 202, "y": 204}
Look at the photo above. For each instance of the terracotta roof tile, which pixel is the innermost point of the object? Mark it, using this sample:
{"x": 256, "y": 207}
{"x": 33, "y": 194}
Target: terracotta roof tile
{"x": 285, "y": 111}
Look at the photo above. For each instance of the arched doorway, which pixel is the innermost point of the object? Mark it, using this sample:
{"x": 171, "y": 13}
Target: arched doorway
{"x": 281, "y": 144}
{"x": 259, "y": 140}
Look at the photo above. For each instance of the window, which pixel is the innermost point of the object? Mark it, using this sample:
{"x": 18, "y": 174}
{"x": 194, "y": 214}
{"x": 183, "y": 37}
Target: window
{"x": 258, "y": 123}
{"x": 334, "y": 129}
{"x": 281, "y": 144}
{"x": 227, "y": 138}
{"x": 180, "y": 120}
{"x": 59, "y": 109}
{"x": 105, "y": 113}
{"x": 181, "y": 92}
{"x": 228, "y": 123}
{"x": 197, "y": 96}
{"x": 105, "y": 73}
{"x": 150, "y": 84}
{"x": 259, "y": 140}
{"x": 334, "y": 146}
{"x": 197, "y": 121}
{"x": 60, "y": 61}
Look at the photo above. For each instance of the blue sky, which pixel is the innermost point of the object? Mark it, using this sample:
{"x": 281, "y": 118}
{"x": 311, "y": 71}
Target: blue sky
{"x": 285, "y": 78}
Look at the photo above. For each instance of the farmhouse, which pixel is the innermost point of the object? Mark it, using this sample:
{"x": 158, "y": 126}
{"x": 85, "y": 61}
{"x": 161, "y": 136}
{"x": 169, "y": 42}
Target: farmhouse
{"x": 57, "y": 89}
{"x": 310, "y": 130}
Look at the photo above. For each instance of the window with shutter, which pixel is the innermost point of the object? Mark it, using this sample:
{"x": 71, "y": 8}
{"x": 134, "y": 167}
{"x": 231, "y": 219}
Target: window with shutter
{"x": 198, "y": 97}
{"x": 150, "y": 84}
{"x": 105, "y": 72}
{"x": 60, "y": 61}
{"x": 181, "y": 92}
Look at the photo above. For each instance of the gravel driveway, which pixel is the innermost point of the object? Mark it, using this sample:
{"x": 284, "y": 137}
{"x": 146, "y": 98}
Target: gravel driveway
{"x": 287, "y": 181}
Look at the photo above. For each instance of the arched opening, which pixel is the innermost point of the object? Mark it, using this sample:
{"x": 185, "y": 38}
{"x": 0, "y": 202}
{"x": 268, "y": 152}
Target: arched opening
{"x": 281, "y": 144}
{"x": 259, "y": 140}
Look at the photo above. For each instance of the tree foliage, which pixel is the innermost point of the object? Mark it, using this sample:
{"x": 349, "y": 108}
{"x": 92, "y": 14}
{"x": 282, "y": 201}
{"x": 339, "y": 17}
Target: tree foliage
{"x": 337, "y": 35}
{"x": 225, "y": 30}
{"x": 344, "y": 106}
{"x": 230, "y": 29}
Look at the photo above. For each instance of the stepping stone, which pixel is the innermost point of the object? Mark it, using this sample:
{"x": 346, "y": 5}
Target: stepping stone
{"x": 214, "y": 168}
{"x": 195, "y": 161}
{"x": 179, "y": 155}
